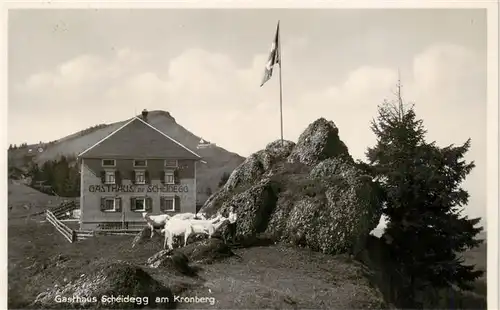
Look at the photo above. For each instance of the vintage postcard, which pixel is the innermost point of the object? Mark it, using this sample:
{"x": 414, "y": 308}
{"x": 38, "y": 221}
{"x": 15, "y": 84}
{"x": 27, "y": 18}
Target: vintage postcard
{"x": 154, "y": 145}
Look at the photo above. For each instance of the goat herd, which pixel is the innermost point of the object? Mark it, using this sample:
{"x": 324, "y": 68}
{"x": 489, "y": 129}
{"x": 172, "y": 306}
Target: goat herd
{"x": 180, "y": 224}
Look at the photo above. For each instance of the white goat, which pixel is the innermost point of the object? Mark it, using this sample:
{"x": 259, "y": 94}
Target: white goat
{"x": 207, "y": 227}
{"x": 189, "y": 216}
{"x": 155, "y": 221}
{"x": 201, "y": 216}
{"x": 177, "y": 227}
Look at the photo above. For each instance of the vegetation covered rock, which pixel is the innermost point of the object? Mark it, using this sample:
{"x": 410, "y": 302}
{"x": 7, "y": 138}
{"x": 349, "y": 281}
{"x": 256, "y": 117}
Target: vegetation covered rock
{"x": 318, "y": 142}
{"x": 144, "y": 236}
{"x": 176, "y": 262}
{"x": 111, "y": 279}
{"x": 311, "y": 194}
{"x": 275, "y": 152}
{"x": 206, "y": 251}
{"x": 253, "y": 168}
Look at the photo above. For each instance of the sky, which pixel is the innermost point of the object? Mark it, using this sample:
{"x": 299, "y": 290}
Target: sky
{"x": 72, "y": 69}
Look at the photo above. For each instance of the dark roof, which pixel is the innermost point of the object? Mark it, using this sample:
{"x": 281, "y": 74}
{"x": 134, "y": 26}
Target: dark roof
{"x": 138, "y": 139}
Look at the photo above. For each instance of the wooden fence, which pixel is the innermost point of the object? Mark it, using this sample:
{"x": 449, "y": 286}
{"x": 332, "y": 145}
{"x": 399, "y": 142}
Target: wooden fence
{"x": 114, "y": 226}
{"x": 61, "y": 210}
{"x": 117, "y": 232}
{"x": 67, "y": 232}
{"x": 57, "y": 215}
{"x": 84, "y": 234}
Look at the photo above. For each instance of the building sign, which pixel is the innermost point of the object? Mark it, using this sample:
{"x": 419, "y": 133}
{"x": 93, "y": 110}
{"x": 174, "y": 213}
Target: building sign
{"x": 169, "y": 188}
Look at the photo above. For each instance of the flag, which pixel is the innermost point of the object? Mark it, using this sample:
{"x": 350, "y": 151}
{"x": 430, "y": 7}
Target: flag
{"x": 274, "y": 56}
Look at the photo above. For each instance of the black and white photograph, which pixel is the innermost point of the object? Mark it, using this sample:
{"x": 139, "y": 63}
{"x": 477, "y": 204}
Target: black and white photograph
{"x": 159, "y": 157}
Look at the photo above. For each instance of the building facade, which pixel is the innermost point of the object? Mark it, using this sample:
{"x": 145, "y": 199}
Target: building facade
{"x": 135, "y": 169}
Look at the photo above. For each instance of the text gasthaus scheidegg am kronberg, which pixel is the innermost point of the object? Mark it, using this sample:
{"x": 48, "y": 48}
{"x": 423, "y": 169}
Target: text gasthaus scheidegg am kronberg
{"x": 105, "y": 299}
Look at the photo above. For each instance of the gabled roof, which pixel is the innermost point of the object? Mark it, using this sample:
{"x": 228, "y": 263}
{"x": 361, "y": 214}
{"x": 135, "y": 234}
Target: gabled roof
{"x": 137, "y": 139}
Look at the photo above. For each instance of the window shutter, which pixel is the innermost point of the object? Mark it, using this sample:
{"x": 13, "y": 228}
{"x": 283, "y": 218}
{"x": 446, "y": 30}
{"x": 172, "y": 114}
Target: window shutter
{"x": 103, "y": 204}
{"x": 177, "y": 204}
{"x": 162, "y": 177}
{"x": 118, "y": 204}
{"x": 132, "y": 204}
{"x": 103, "y": 177}
{"x": 132, "y": 176}
{"x": 162, "y": 204}
{"x": 146, "y": 177}
{"x": 176, "y": 177}
{"x": 118, "y": 178}
{"x": 149, "y": 204}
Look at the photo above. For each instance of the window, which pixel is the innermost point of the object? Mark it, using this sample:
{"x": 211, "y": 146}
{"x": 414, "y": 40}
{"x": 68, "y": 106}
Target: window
{"x": 140, "y": 204}
{"x": 140, "y": 163}
{"x": 109, "y": 205}
{"x": 168, "y": 204}
{"x": 140, "y": 177}
{"x": 169, "y": 177}
{"x": 108, "y": 163}
{"x": 171, "y": 163}
{"x": 110, "y": 177}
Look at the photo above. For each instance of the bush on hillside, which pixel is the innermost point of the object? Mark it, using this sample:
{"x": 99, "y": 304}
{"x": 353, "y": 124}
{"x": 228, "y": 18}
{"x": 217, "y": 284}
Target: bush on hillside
{"x": 91, "y": 129}
{"x": 20, "y": 146}
{"x": 208, "y": 191}
{"x": 223, "y": 179}
{"x": 109, "y": 279}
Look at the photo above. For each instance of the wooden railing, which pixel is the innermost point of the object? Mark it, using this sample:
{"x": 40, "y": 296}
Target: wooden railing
{"x": 116, "y": 232}
{"x": 67, "y": 232}
{"x": 54, "y": 217}
{"x": 121, "y": 226}
{"x": 83, "y": 234}
{"x": 60, "y": 211}
{"x": 138, "y": 226}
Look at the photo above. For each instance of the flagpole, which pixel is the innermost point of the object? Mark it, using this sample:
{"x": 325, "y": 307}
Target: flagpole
{"x": 281, "y": 84}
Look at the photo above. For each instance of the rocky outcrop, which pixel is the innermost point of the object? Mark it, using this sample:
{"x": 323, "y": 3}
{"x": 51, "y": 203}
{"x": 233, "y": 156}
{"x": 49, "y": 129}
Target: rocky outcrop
{"x": 144, "y": 237}
{"x": 156, "y": 260}
{"x": 141, "y": 236}
{"x": 311, "y": 194}
{"x": 318, "y": 142}
{"x": 111, "y": 279}
{"x": 176, "y": 262}
{"x": 252, "y": 169}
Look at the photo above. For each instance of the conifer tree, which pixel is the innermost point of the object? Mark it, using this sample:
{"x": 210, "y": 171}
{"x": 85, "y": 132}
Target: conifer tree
{"x": 225, "y": 176}
{"x": 424, "y": 201}
{"x": 208, "y": 191}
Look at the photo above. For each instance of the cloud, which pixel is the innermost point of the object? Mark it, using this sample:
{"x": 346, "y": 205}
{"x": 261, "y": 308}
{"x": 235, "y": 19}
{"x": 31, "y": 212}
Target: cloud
{"x": 441, "y": 68}
{"x": 69, "y": 74}
{"x": 212, "y": 95}
{"x": 208, "y": 86}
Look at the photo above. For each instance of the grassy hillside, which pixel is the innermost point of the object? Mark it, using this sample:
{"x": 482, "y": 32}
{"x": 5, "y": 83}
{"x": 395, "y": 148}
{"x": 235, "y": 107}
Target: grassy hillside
{"x": 39, "y": 258}
{"x": 218, "y": 159}
{"x": 24, "y": 200}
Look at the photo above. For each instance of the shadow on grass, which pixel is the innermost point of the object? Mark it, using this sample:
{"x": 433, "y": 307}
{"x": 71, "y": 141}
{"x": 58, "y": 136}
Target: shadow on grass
{"x": 254, "y": 241}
